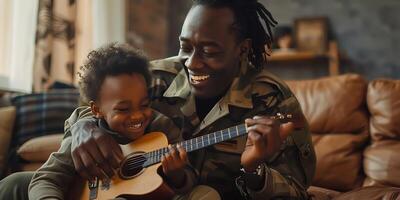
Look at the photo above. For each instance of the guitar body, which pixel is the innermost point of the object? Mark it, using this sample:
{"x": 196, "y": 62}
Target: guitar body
{"x": 146, "y": 184}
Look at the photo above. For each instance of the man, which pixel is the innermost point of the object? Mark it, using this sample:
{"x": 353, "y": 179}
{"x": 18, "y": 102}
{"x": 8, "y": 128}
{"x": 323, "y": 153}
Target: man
{"x": 215, "y": 82}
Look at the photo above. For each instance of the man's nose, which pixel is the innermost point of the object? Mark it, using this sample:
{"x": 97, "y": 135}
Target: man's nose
{"x": 194, "y": 61}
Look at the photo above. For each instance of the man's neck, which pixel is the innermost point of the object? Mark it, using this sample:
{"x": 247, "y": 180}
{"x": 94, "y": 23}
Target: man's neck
{"x": 204, "y": 106}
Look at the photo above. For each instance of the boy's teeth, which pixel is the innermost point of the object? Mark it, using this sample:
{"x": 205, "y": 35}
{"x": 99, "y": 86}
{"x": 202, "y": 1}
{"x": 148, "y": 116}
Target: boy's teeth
{"x": 135, "y": 125}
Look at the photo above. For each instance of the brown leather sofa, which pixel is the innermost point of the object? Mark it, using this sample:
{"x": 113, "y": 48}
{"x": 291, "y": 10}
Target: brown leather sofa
{"x": 355, "y": 128}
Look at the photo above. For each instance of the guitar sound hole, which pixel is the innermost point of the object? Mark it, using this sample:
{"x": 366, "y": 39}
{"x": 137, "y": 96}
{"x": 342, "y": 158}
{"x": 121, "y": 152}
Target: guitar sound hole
{"x": 132, "y": 165}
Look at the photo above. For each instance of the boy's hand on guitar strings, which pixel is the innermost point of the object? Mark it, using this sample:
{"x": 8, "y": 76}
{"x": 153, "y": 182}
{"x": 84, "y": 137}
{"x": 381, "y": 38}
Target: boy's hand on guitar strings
{"x": 265, "y": 137}
{"x": 94, "y": 153}
{"x": 173, "y": 164}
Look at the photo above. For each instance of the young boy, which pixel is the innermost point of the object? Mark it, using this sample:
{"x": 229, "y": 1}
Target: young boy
{"x": 114, "y": 81}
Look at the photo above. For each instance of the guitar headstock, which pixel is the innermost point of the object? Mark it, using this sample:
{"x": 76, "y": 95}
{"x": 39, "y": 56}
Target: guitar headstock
{"x": 298, "y": 121}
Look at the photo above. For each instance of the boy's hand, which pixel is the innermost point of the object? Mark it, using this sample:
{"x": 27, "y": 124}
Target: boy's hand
{"x": 94, "y": 153}
{"x": 173, "y": 164}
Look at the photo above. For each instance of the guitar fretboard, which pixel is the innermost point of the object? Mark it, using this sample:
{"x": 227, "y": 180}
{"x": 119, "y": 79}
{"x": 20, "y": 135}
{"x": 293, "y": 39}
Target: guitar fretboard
{"x": 200, "y": 142}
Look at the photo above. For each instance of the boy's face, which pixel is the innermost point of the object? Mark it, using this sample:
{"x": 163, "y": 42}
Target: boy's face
{"x": 123, "y": 102}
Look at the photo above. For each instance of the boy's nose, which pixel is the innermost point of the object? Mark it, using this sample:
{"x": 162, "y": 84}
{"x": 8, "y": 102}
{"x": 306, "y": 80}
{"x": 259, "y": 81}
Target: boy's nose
{"x": 136, "y": 116}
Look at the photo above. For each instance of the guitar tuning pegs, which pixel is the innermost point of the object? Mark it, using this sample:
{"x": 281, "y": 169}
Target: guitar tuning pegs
{"x": 280, "y": 116}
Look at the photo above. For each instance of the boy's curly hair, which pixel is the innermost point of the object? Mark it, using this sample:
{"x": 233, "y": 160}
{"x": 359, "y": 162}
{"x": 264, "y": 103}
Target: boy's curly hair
{"x": 110, "y": 60}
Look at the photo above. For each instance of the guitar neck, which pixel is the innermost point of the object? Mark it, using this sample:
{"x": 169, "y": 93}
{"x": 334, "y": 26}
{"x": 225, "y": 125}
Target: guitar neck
{"x": 203, "y": 141}
{"x": 197, "y": 143}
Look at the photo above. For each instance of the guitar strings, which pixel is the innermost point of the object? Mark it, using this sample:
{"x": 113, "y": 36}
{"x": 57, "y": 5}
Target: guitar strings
{"x": 158, "y": 155}
{"x": 139, "y": 160}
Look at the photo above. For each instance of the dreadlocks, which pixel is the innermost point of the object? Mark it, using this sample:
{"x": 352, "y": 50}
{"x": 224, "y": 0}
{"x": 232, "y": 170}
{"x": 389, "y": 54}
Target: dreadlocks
{"x": 249, "y": 15}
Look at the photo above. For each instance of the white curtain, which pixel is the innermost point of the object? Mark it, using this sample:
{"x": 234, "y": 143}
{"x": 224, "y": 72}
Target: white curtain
{"x": 17, "y": 43}
{"x": 98, "y": 22}
{"x": 108, "y": 22}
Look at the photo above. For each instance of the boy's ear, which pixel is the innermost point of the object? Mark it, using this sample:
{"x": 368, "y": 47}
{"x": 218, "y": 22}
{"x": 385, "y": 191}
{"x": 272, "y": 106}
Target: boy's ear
{"x": 95, "y": 110}
{"x": 245, "y": 46}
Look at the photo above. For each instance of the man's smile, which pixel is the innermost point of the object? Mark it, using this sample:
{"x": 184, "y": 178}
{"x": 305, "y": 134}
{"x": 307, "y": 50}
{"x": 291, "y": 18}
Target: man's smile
{"x": 198, "y": 78}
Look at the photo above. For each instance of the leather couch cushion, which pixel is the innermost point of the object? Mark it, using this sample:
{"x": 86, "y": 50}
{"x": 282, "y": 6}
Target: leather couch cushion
{"x": 317, "y": 193}
{"x": 7, "y": 117}
{"x": 383, "y": 101}
{"x": 371, "y": 193}
{"x": 39, "y": 149}
{"x": 333, "y": 104}
{"x": 339, "y": 160}
{"x": 335, "y": 108}
{"x": 381, "y": 162}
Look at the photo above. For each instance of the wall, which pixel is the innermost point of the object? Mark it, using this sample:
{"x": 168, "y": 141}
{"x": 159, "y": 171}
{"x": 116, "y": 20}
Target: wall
{"x": 368, "y": 31}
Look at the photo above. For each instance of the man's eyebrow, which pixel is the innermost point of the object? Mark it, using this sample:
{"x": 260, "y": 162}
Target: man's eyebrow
{"x": 202, "y": 43}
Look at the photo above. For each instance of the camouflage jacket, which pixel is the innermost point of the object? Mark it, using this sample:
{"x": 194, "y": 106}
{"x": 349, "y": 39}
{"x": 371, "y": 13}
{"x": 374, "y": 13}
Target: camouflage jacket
{"x": 251, "y": 93}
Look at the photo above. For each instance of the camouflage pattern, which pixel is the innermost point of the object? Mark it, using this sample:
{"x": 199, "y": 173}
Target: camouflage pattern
{"x": 287, "y": 177}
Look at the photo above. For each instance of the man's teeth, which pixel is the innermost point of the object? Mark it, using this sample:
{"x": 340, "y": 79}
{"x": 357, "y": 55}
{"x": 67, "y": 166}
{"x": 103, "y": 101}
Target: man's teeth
{"x": 199, "y": 78}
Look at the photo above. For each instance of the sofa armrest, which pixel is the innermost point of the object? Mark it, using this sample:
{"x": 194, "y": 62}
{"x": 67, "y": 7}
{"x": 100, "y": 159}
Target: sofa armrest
{"x": 7, "y": 118}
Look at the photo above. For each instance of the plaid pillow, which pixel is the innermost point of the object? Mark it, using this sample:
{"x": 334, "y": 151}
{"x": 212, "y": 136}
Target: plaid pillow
{"x": 42, "y": 113}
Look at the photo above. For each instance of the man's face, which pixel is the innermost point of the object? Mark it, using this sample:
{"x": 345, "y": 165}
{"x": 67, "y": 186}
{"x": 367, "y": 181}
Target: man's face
{"x": 124, "y": 104}
{"x": 209, "y": 49}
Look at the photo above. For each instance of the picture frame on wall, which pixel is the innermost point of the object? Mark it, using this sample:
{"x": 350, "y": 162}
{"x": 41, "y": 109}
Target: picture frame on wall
{"x": 311, "y": 34}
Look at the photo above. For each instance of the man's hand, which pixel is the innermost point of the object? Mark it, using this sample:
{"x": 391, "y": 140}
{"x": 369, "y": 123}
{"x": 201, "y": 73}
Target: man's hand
{"x": 94, "y": 153}
{"x": 173, "y": 164}
{"x": 265, "y": 137}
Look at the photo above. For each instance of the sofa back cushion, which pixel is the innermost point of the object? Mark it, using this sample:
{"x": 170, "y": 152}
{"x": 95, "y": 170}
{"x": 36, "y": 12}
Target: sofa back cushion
{"x": 382, "y": 161}
{"x": 335, "y": 108}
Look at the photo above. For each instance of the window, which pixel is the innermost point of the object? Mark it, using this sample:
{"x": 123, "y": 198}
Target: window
{"x": 17, "y": 38}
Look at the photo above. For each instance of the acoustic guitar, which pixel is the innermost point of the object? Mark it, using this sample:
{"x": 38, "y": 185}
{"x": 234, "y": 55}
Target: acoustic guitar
{"x": 137, "y": 177}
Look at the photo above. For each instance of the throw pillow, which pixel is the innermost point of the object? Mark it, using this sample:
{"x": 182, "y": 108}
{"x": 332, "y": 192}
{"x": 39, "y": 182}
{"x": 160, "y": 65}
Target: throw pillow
{"x": 39, "y": 149}
{"x": 43, "y": 113}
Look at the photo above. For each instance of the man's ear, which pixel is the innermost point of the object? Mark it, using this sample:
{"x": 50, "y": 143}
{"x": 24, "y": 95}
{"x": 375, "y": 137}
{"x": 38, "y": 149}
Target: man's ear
{"x": 95, "y": 110}
{"x": 245, "y": 46}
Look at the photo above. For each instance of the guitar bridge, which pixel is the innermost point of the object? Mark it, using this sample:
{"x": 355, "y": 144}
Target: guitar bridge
{"x": 105, "y": 184}
{"x": 93, "y": 188}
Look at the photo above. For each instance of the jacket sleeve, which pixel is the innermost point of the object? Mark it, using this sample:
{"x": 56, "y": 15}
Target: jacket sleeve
{"x": 290, "y": 174}
{"x": 80, "y": 115}
{"x": 51, "y": 179}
